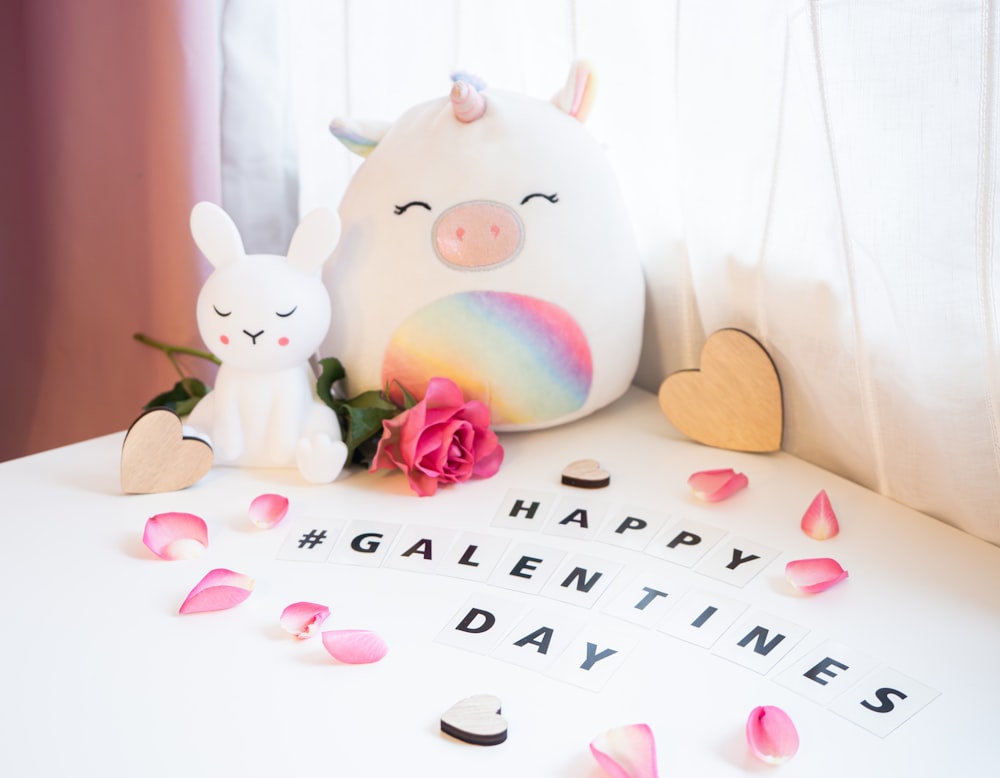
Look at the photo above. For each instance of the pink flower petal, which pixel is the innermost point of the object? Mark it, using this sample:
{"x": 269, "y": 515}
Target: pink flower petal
{"x": 771, "y": 734}
{"x": 302, "y": 619}
{"x": 268, "y": 510}
{"x": 176, "y": 535}
{"x": 219, "y": 590}
{"x": 715, "y": 485}
{"x": 626, "y": 752}
{"x": 819, "y": 521}
{"x": 814, "y": 575}
{"x": 354, "y": 646}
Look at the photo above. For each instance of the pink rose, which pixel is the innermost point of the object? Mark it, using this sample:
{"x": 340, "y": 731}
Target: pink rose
{"x": 441, "y": 439}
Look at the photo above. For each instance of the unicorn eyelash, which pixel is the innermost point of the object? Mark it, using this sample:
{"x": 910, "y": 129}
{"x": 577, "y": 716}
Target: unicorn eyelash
{"x": 552, "y": 198}
{"x": 401, "y": 209}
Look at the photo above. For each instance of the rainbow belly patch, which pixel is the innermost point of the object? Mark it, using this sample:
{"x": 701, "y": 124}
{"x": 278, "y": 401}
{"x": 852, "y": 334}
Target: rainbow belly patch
{"x": 526, "y": 358}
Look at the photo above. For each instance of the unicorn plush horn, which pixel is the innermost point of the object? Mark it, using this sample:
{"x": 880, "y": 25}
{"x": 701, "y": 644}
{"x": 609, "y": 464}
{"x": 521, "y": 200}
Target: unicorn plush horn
{"x": 467, "y": 101}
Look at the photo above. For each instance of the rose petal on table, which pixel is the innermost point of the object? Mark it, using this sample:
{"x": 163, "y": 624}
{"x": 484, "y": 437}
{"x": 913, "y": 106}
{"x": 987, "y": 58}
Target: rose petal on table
{"x": 771, "y": 734}
{"x": 819, "y": 521}
{"x": 626, "y": 752}
{"x": 354, "y": 646}
{"x": 219, "y": 590}
{"x": 715, "y": 485}
{"x": 176, "y": 535}
{"x": 814, "y": 575}
{"x": 268, "y": 510}
{"x": 302, "y": 619}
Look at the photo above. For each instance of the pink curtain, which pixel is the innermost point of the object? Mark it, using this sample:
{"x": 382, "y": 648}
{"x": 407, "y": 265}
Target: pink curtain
{"x": 109, "y": 133}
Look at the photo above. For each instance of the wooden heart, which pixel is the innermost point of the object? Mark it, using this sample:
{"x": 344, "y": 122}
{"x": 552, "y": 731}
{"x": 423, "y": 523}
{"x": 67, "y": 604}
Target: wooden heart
{"x": 476, "y": 720}
{"x": 156, "y": 457}
{"x": 733, "y": 401}
{"x": 586, "y": 474}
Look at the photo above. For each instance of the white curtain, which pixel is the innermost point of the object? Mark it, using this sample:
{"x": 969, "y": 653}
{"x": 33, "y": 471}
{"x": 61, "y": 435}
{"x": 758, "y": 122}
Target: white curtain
{"x": 820, "y": 174}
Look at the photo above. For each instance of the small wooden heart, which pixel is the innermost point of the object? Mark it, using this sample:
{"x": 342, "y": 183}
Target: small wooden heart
{"x": 156, "y": 457}
{"x": 476, "y": 720}
{"x": 586, "y": 474}
{"x": 733, "y": 401}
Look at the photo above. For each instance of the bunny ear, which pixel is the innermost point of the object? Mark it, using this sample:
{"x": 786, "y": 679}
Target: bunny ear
{"x": 314, "y": 240}
{"x": 216, "y": 234}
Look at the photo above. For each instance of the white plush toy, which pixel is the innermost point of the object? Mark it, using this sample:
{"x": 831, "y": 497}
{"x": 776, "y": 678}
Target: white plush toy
{"x": 486, "y": 240}
{"x": 263, "y": 316}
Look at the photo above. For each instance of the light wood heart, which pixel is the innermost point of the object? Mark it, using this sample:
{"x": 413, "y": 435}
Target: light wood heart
{"x": 156, "y": 457}
{"x": 476, "y": 720}
{"x": 586, "y": 474}
{"x": 733, "y": 401}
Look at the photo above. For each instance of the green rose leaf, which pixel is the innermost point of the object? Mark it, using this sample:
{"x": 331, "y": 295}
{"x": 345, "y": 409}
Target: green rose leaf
{"x": 331, "y": 371}
{"x": 182, "y": 398}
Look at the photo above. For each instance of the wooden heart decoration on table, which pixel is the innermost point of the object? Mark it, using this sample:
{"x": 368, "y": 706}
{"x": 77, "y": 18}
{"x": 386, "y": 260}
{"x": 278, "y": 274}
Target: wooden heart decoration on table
{"x": 156, "y": 457}
{"x": 733, "y": 401}
{"x": 476, "y": 720}
{"x": 586, "y": 474}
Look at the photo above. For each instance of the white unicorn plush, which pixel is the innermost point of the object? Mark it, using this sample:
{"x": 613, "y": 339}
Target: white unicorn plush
{"x": 486, "y": 241}
{"x": 263, "y": 316}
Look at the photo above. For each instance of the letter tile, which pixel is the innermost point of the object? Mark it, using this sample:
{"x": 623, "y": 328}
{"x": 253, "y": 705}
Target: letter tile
{"x": 480, "y": 624}
{"x": 524, "y": 509}
{"x": 576, "y": 517}
{"x": 364, "y": 543}
{"x": 595, "y": 654}
{"x": 883, "y": 700}
{"x": 420, "y": 549}
{"x": 644, "y": 600}
{"x": 473, "y": 556}
{"x": 525, "y": 567}
{"x": 758, "y": 640}
{"x": 581, "y": 580}
{"x": 685, "y": 541}
{"x": 310, "y": 540}
{"x": 632, "y": 527}
{"x": 823, "y": 673}
{"x": 539, "y": 638}
{"x": 736, "y": 561}
{"x": 701, "y": 617}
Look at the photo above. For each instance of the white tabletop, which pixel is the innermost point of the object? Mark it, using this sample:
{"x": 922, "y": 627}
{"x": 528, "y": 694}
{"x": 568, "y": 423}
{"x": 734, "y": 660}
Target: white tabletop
{"x": 101, "y": 675}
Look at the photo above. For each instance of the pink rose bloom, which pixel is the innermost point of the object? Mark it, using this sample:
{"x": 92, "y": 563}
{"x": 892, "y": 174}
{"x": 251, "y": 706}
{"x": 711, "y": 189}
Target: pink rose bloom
{"x": 441, "y": 440}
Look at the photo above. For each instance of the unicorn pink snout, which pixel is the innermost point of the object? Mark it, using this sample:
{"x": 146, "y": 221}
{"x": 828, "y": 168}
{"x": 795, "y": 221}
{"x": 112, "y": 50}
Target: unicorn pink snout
{"x": 478, "y": 235}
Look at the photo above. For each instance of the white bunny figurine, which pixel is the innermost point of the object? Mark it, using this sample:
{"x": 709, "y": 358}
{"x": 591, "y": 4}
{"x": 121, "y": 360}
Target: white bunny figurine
{"x": 263, "y": 316}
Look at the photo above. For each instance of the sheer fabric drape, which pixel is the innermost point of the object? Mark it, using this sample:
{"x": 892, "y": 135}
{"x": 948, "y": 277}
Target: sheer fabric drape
{"x": 821, "y": 174}
{"x": 109, "y": 135}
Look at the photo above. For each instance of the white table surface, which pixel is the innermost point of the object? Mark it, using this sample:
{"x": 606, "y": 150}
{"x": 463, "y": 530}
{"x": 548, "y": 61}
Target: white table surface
{"x": 101, "y": 676}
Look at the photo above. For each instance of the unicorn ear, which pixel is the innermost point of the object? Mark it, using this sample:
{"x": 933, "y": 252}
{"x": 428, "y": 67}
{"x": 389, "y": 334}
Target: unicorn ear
{"x": 577, "y": 97}
{"x": 359, "y": 135}
{"x": 216, "y": 234}
{"x": 314, "y": 240}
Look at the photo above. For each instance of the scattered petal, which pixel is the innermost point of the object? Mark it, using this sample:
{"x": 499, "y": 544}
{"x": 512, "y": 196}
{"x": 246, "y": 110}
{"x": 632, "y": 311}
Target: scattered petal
{"x": 715, "y": 485}
{"x": 219, "y": 590}
{"x": 302, "y": 619}
{"x": 626, "y": 752}
{"x": 176, "y": 535}
{"x": 771, "y": 734}
{"x": 819, "y": 521}
{"x": 268, "y": 510}
{"x": 354, "y": 646}
{"x": 814, "y": 575}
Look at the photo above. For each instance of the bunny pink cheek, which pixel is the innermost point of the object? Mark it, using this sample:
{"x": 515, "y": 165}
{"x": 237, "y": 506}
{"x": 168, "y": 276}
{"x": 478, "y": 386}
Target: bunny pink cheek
{"x": 282, "y": 341}
{"x": 224, "y": 339}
